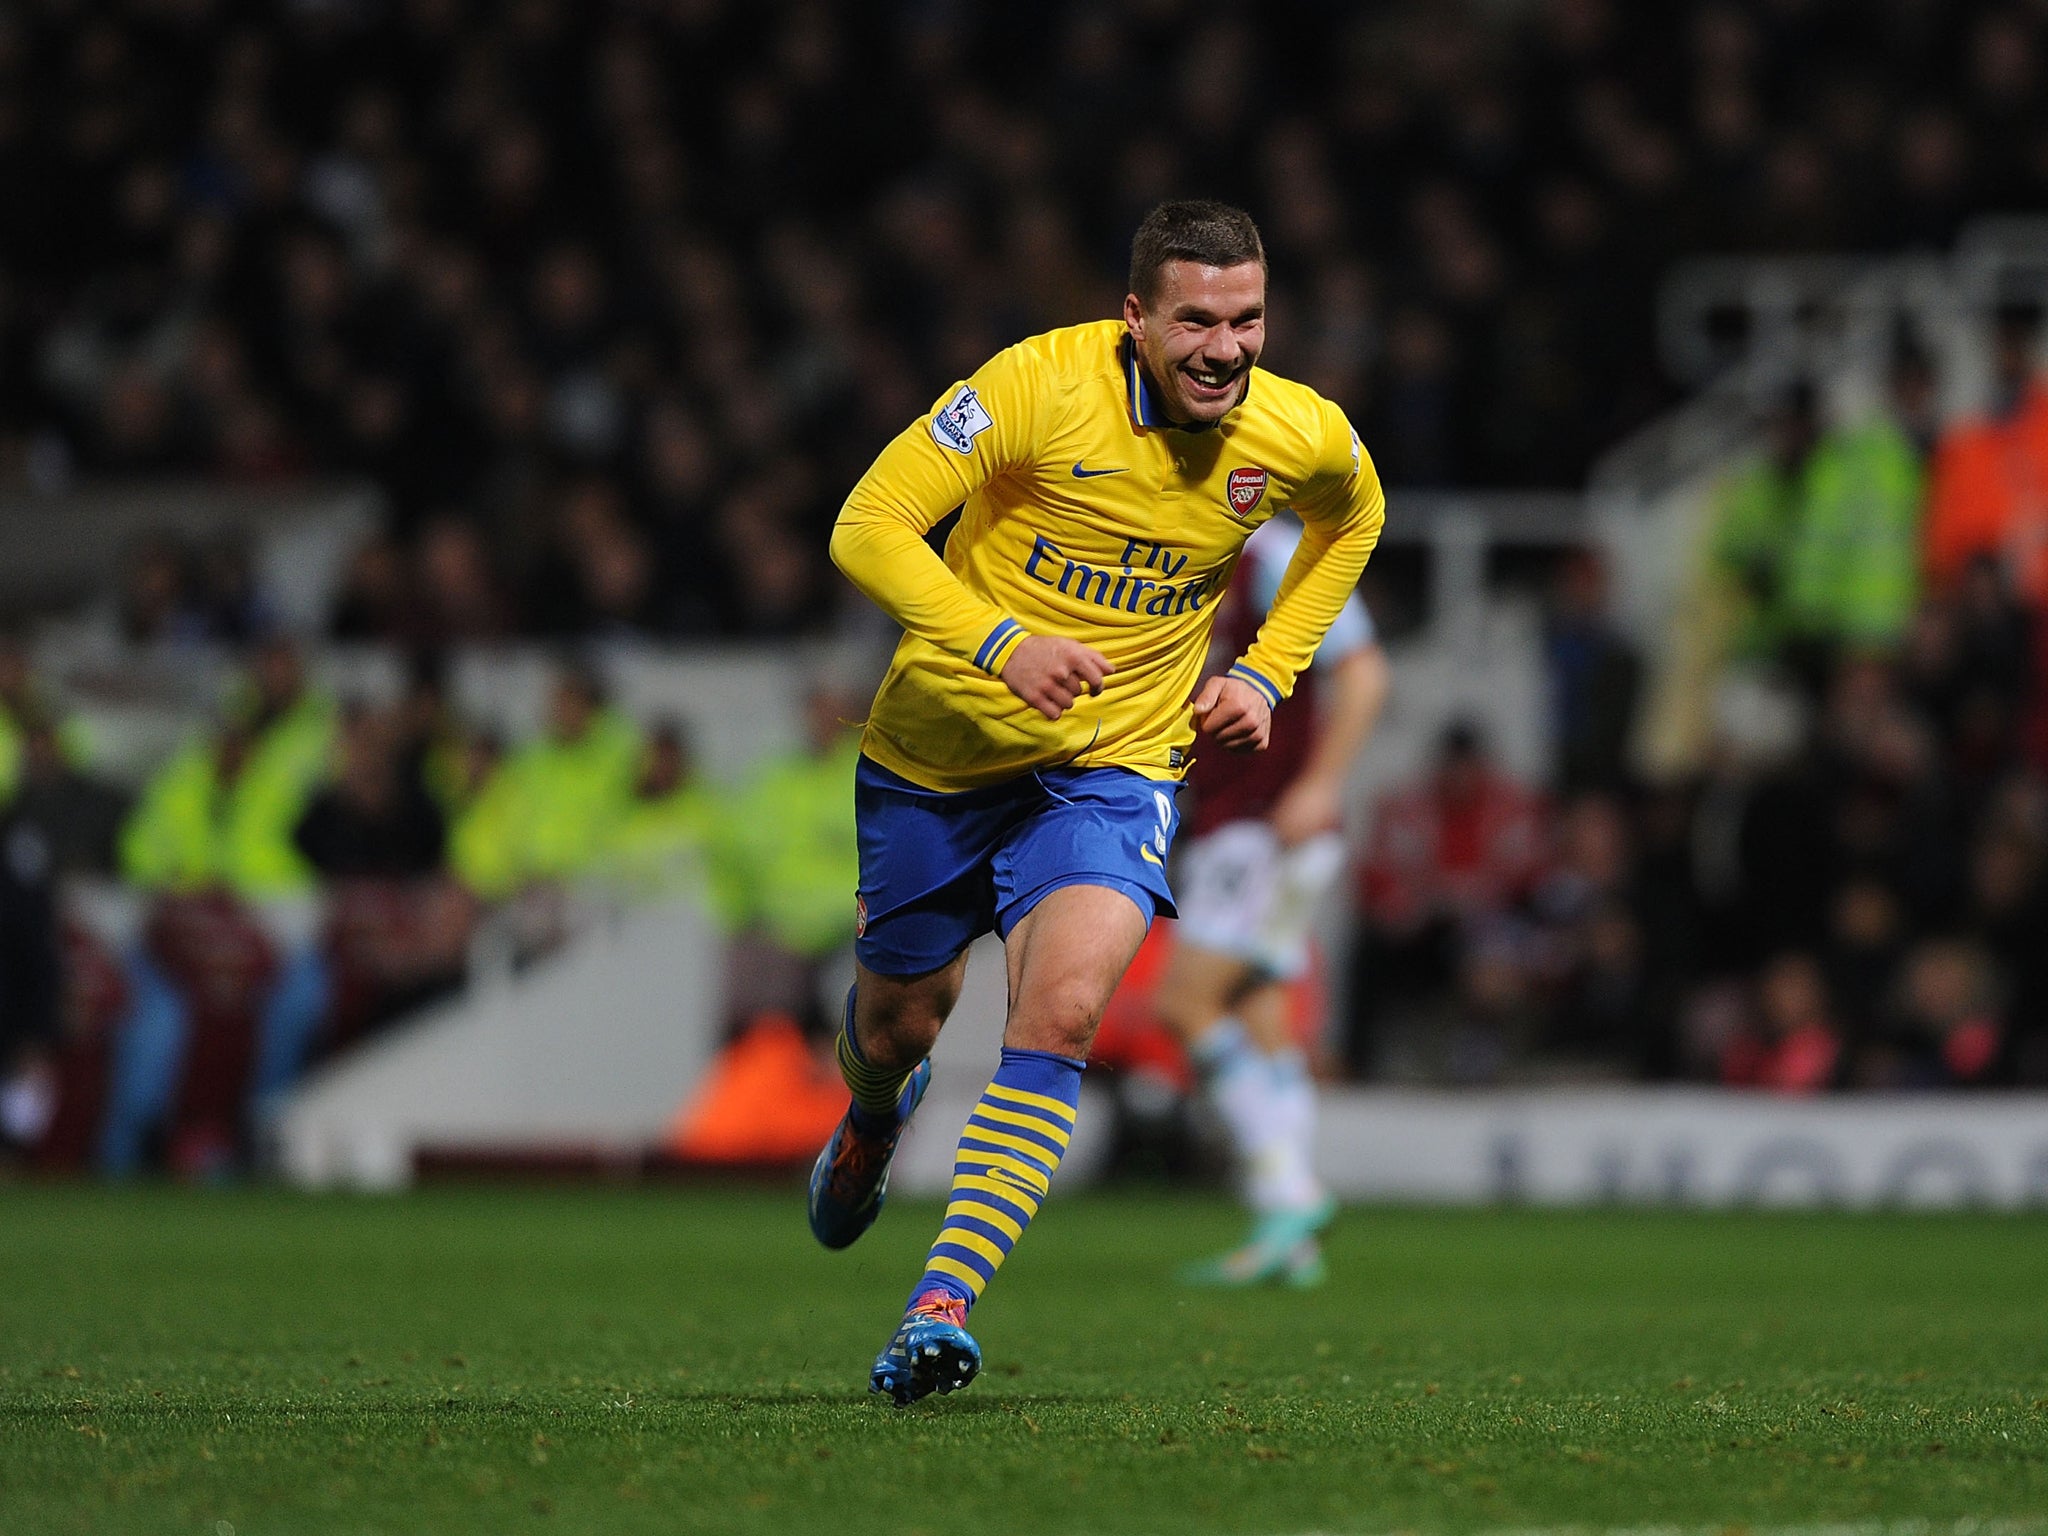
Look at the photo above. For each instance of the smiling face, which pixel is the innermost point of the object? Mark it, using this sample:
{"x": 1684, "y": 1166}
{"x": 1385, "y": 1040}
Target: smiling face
{"x": 1199, "y": 336}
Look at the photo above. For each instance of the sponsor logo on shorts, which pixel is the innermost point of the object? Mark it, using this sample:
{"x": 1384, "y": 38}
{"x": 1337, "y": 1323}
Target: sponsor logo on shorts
{"x": 1246, "y": 488}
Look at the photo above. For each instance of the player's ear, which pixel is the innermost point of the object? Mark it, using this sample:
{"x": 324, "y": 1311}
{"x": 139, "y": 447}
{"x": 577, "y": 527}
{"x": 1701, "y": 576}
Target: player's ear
{"x": 1134, "y": 315}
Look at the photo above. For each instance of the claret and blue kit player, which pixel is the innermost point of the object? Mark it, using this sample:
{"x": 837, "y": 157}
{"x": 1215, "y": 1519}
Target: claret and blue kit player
{"x": 1021, "y": 761}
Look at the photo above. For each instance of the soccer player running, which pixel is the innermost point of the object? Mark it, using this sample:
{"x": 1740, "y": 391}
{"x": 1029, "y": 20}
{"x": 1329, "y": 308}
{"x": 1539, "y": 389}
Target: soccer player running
{"x": 1019, "y": 765}
{"x": 1264, "y": 844}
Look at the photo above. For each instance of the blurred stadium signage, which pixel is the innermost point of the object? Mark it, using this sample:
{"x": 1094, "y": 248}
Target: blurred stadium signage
{"x": 1687, "y": 1147}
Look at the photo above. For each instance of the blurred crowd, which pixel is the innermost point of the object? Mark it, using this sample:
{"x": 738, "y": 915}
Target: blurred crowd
{"x": 1850, "y": 889}
{"x": 613, "y": 301}
{"x": 307, "y": 868}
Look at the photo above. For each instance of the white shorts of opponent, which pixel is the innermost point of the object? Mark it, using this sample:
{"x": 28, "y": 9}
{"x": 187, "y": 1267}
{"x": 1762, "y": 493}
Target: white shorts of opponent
{"x": 1242, "y": 895}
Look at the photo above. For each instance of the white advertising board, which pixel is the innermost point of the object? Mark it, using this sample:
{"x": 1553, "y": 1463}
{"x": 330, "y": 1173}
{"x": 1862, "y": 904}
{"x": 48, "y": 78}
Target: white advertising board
{"x": 1685, "y": 1147}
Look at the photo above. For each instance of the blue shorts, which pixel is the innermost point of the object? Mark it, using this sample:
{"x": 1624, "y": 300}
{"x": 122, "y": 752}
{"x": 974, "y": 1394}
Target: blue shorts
{"x": 938, "y": 869}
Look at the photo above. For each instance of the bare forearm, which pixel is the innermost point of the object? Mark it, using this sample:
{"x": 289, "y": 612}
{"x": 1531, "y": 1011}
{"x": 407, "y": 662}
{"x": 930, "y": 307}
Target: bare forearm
{"x": 1349, "y": 704}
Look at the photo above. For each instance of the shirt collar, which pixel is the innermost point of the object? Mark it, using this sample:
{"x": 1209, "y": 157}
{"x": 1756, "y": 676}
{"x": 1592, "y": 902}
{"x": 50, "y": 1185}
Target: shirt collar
{"x": 1142, "y": 400}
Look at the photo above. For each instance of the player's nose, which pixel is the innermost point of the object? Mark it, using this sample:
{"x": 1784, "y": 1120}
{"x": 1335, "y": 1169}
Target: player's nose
{"x": 1220, "y": 348}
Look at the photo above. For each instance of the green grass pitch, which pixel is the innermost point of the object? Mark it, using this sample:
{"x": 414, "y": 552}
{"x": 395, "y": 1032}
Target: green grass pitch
{"x": 665, "y": 1360}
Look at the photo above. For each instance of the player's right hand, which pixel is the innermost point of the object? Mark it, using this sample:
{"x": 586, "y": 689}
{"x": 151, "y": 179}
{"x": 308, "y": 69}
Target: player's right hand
{"x": 1049, "y": 673}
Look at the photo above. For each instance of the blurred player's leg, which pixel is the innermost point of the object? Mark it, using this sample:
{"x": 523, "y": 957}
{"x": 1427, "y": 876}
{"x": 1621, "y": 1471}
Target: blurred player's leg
{"x": 1289, "y": 1206}
{"x": 1065, "y": 959}
{"x": 149, "y": 1058}
{"x": 1259, "y": 1077}
{"x": 885, "y": 1038}
{"x": 1307, "y": 871}
{"x": 1195, "y": 998}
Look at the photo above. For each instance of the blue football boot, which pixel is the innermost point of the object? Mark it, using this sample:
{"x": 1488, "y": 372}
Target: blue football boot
{"x": 931, "y": 1352}
{"x": 851, "y": 1175}
{"x": 1282, "y": 1247}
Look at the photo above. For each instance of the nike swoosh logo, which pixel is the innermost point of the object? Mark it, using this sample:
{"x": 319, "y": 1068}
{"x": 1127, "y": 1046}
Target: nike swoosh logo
{"x": 1090, "y": 474}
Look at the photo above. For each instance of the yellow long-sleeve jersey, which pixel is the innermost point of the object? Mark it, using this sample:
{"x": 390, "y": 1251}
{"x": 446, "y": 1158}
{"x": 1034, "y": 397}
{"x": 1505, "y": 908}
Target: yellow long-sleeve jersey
{"x": 1085, "y": 514}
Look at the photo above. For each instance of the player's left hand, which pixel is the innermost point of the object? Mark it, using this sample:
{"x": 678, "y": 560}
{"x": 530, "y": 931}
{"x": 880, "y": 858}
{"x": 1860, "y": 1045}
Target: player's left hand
{"x": 1233, "y": 714}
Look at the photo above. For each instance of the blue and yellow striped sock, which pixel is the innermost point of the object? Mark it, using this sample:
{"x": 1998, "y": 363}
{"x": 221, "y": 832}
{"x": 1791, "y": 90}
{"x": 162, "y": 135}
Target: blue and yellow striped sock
{"x": 876, "y": 1090}
{"x": 1011, "y": 1145}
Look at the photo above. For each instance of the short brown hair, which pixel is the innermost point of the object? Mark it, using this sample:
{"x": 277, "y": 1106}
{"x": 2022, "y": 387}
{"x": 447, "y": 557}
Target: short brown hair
{"x": 1191, "y": 229}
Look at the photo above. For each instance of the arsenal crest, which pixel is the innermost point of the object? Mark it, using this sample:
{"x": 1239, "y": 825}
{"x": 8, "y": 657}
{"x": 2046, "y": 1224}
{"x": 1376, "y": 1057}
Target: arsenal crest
{"x": 860, "y": 917}
{"x": 1246, "y": 489}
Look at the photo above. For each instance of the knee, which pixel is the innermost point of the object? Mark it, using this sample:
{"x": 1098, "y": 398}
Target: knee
{"x": 898, "y": 1025}
{"x": 1061, "y": 1018}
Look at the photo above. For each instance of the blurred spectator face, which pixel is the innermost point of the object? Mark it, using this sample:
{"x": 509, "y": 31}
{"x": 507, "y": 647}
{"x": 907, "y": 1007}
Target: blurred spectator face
{"x": 231, "y": 753}
{"x": 676, "y": 458}
{"x": 2013, "y": 352}
{"x": 1791, "y": 996}
{"x": 153, "y": 594}
{"x": 1866, "y": 915}
{"x": 1945, "y": 986}
{"x": 1418, "y": 346}
{"x": 1932, "y": 157}
{"x": 568, "y": 292}
{"x": 618, "y": 572}
{"x": 423, "y": 713}
{"x": 1931, "y": 643}
{"x": 1913, "y": 398}
{"x": 572, "y": 706}
{"x": 1984, "y": 599}
{"x": 1727, "y": 118}
{"x": 135, "y": 418}
{"x": 251, "y": 447}
{"x": 315, "y": 281}
{"x": 216, "y": 364}
{"x": 1199, "y": 335}
{"x": 455, "y": 572}
{"x": 1492, "y": 980}
{"x": 279, "y": 675}
{"x": 2003, "y": 66}
{"x": 1595, "y": 841}
{"x": 514, "y": 170}
{"x": 1461, "y": 763}
{"x": 14, "y": 673}
{"x": 1579, "y": 594}
{"x": 668, "y": 765}
{"x": 204, "y": 244}
{"x": 42, "y": 751}
{"x": 1570, "y": 218}
{"x": 2003, "y": 873}
{"x": 1792, "y": 429}
{"x": 482, "y": 752}
{"x": 375, "y": 412}
{"x": 1614, "y": 942}
{"x": 369, "y": 764}
{"x": 1859, "y": 697}
{"x": 227, "y": 575}
{"x": 446, "y": 278}
{"x": 374, "y": 587}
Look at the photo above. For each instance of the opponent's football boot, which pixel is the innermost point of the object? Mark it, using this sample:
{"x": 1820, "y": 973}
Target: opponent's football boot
{"x": 1282, "y": 1246}
{"x": 931, "y": 1352}
{"x": 851, "y": 1176}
